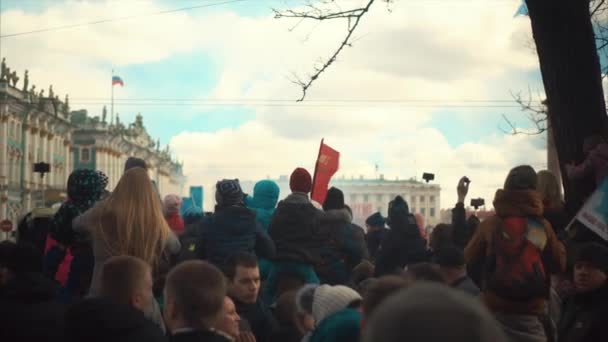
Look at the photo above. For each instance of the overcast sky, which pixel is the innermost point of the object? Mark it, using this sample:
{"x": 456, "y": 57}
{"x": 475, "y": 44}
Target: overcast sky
{"x": 423, "y": 89}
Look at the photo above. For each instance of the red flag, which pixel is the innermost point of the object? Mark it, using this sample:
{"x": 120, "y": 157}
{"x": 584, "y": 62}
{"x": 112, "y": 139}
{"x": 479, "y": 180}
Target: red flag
{"x": 327, "y": 165}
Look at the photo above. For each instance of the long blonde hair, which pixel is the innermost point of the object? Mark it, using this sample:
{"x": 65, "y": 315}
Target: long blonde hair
{"x": 132, "y": 221}
{"x": 550, "y": 189}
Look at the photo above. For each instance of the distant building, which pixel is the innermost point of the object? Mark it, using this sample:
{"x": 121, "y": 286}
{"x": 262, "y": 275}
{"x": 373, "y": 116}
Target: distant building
{"x": 366, "y": 196}
{"x": 33, "y": 128}
{"x": 106, "y": 146}
{"x": 38, "y": 127}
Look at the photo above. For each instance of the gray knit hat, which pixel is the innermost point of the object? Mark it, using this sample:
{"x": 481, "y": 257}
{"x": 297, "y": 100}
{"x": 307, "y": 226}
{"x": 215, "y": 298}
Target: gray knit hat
{"x": 228, "y": 192}
{"x": 433, "y": 313}
{"x": 328, "y": 300}
{"x": 304, "y": 298}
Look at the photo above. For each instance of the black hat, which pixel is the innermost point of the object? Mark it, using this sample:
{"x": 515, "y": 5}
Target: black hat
{"x": 376, "y": 220}
{"x": 334, "y": 199}
{"x": 595, "y": 254}
{"x": 398, "y": 209}
{"x": 133, "y": 162}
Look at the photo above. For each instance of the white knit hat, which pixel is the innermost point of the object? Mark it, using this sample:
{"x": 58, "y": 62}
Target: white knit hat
{"x": 328, "y": 300}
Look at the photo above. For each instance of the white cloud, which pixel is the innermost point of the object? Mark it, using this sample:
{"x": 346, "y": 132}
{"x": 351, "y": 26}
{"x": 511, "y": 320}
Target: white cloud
{"x": 254, "y": 151}
{"x": 447, "y": 50}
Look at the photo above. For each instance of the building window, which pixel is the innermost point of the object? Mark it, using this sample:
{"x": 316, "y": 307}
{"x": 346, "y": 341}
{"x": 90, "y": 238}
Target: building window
{"x": 353, "y": 199}
{"x": 379, "y": 197}
{"x": 432, "y": 199}
{"x": 422, "y": 199}
{"x": 423, "y": 211}
{"x": 413, "y": 211}
{"x": 85, "y": 155}
{"x": 432, "y": 212}
{"x": 365, "y": 198}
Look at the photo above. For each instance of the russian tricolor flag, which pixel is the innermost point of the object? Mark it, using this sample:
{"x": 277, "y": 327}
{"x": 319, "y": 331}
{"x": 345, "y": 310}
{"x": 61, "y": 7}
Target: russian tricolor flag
{"x": 117, "y": 80}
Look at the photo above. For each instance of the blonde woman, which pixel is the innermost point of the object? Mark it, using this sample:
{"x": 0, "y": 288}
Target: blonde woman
{"x": 129, "y": 222}
{"x": 555, "y": 210}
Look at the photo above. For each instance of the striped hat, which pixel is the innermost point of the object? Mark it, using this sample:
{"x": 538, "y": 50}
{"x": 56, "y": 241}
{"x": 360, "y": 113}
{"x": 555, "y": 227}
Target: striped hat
{"x": 329, "y": 300}
{"x": 228, "y": 192}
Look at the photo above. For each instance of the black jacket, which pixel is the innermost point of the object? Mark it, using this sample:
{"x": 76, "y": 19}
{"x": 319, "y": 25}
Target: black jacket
{"x": 373, "y": 241}
{"x": 30, "y": 310}
{"x": 262, "y": 323}
{"x": 198, "y": 336}
{"x": 584, "y": 317}
{"x": 559, "y": 219}
{"x": 343, "y": 247}
{"x": 462, "y": 232}
{"x": 402, "y": 246}
{"x": 294, "y": 228}
{"x": 99, "y": 320}
{"x": 231, "y": 230}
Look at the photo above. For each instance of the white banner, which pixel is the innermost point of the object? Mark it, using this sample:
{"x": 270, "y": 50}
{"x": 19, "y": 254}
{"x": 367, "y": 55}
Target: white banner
{"x": 594, "y": 214}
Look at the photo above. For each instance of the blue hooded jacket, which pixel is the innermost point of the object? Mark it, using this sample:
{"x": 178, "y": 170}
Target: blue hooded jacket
{"x": 264, "y": 201}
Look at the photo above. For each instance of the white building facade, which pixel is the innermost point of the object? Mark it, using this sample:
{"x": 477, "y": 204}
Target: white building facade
{"x": 367, "y": 196}
{"x": 35, "y": 128}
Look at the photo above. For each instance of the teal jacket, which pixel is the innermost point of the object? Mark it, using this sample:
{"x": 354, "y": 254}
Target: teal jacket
{"x": 343, "y": 326}
{"x": 264, "y": 201}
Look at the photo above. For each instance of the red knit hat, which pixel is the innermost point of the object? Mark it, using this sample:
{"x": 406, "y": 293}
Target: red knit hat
{"x": 300, "y": 181}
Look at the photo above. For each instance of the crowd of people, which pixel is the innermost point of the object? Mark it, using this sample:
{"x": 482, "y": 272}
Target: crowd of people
{"x": 126, "y": 266}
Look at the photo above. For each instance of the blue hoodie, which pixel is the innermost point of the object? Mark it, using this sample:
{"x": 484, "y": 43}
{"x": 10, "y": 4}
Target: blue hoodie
{"x": 264, "y": 201}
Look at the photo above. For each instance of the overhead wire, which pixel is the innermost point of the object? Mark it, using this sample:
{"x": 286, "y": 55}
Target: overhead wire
{"x": 109, "y": 20}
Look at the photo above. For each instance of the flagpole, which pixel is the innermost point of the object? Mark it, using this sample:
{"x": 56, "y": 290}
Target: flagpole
{"x": 112, "y": 104}
{"x": 314, "y": 177}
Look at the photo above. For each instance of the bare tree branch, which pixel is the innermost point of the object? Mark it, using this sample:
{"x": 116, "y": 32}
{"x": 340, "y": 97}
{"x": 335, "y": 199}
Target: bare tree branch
{"x": 599, "y": 6}
{"x": 536, "y": 113}
{"x": 353, "y": 17}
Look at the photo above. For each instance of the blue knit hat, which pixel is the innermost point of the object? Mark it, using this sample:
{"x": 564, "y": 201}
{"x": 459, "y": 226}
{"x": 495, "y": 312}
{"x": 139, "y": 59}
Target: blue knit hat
{"x": 228, "y": 192}
{"x": 376, "y": 220}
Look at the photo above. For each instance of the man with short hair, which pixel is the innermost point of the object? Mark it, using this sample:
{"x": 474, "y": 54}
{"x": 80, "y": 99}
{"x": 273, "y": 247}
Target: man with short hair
{"x": 194, "y": 297}
{"x": 243, "y": 276}
{"x": 126, "y": 280}
{"x": 119, "y": 311}
{"x": 452, "y": 267}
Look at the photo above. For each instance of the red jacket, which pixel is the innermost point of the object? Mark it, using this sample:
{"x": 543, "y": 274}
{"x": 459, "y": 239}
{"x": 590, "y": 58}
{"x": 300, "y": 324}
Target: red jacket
{"x": 176, "y": 223}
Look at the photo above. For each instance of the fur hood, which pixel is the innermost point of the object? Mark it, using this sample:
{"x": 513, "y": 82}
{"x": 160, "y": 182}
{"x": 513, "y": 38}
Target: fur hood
{"x": 518, "y": 203}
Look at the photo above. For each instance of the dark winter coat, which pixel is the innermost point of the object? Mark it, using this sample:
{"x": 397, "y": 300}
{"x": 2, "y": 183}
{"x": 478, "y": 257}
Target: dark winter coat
{"x": 262, "y": 322}
{"x": 402, "y": 246}
{"x": 462, "y": 232}
{"x": 295, "y": 230}
{"x": 198, "y": 336}
{"x": 343, "y": 248}
{"x": 232, "y": 230}
{"x": 559, "y": 219}
{"x": 99, "y": 320}
{"x": 373, "y": 241}
{"x": 584, "y": 317}
{"x": 30, "y": 310}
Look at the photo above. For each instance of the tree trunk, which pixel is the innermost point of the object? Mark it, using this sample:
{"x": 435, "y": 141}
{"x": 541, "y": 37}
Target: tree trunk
{"x": 570, "y": 69}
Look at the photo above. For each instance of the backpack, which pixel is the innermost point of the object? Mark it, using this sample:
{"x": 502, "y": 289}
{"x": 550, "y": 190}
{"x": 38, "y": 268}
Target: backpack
{"x": 515, "y": 270}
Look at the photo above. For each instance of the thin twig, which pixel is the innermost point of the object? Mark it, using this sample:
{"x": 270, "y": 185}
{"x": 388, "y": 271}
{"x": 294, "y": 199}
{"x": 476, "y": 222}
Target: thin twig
{"x": 353, "y": 16}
